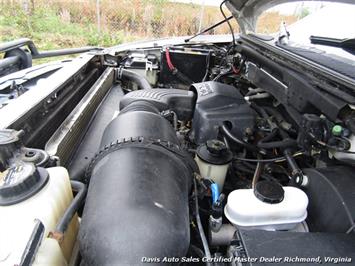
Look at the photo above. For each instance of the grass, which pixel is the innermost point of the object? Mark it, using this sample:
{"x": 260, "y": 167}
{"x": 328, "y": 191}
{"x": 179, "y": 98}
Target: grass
{"x": 48, "y": 31}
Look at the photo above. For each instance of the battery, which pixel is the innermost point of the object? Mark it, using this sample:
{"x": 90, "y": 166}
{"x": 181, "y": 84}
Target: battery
{"x": 192, "y": 63}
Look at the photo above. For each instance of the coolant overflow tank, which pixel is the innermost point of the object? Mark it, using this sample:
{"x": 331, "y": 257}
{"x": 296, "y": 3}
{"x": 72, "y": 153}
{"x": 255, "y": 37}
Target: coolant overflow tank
{"x": 30, "y": 199}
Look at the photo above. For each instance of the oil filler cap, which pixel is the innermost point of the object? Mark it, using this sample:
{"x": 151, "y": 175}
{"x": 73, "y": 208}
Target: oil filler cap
{"x": 269, "y": 192}
{"x": 20, "y": 182}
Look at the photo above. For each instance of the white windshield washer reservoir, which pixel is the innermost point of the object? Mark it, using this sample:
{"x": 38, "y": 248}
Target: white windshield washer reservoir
{"x": 266, "y": 207}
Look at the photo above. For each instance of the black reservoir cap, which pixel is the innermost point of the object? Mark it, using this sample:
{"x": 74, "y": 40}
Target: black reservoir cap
{"x": 214, "y": 152}
{"x": 20, "y": 182}
{"x": 269, "y": 192}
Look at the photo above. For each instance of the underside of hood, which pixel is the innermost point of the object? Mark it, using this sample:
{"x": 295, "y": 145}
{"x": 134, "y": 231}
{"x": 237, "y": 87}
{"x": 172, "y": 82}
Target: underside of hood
{"x": 248, "y": 11}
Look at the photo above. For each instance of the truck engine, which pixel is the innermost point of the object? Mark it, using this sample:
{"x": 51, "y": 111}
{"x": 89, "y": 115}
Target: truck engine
{"x": 209, "y": 153}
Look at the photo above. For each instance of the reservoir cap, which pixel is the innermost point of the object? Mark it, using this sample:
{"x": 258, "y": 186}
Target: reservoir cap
{"x": 20, "y": 182}
{"x": 214, "y": 152}
{"x": 337, "y": 130}
{"x": 269, "y": 192}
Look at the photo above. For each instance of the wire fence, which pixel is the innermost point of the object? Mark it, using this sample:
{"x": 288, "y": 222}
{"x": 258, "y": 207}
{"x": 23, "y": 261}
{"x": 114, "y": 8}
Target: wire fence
{"x": 67, "y": 23}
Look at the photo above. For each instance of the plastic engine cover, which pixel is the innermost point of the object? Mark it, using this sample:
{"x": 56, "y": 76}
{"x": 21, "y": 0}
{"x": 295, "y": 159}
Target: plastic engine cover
{"x": 217, "y": 103}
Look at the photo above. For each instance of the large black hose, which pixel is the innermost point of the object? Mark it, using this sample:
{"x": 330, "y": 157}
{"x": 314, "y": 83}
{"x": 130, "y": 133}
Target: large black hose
{"x": 134, "y": 77}
{"x": 137, "y": 202}
{"x": 286, "y": 143}
{"x": 73, "y": 207}
{"x": 260, "y": 110}
{"x": 272, "y": 111}
{"x": 270, "y": 136}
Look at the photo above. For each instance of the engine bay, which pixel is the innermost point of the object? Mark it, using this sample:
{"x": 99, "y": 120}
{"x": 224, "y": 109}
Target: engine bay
{"x": 216, "y": 154}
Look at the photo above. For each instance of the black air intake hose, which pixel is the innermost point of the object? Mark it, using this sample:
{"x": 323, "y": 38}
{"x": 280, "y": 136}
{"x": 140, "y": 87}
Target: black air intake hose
{"x": 182, "y": 102}
{"x": 141, "y": 81}
{"x": 137, "y": 203}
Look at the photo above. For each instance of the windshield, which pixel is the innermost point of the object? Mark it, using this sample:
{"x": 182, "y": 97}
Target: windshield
{"x": 322, "y": 19}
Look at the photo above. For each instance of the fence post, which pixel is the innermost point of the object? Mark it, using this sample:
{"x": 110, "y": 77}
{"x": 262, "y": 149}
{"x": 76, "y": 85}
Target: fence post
{"x": 26, "y": 6}
{"x": 98, "y": 15}
{"x": 201, "y": 15}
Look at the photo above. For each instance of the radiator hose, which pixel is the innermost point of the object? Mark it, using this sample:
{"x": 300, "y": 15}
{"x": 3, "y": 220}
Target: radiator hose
{"x": 141, "y": 81}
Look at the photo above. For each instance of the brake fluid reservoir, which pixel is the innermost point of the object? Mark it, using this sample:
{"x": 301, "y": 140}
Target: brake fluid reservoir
{"x": 269, "y": 207}
{"x": 213, "y": 160}
{"x": 32, "y": 198}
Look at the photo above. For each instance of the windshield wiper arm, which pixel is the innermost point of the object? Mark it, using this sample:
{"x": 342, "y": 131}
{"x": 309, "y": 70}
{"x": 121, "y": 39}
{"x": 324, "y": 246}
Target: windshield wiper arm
{"x": 209, "y": 28}
{"x": 346, "y": 44}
